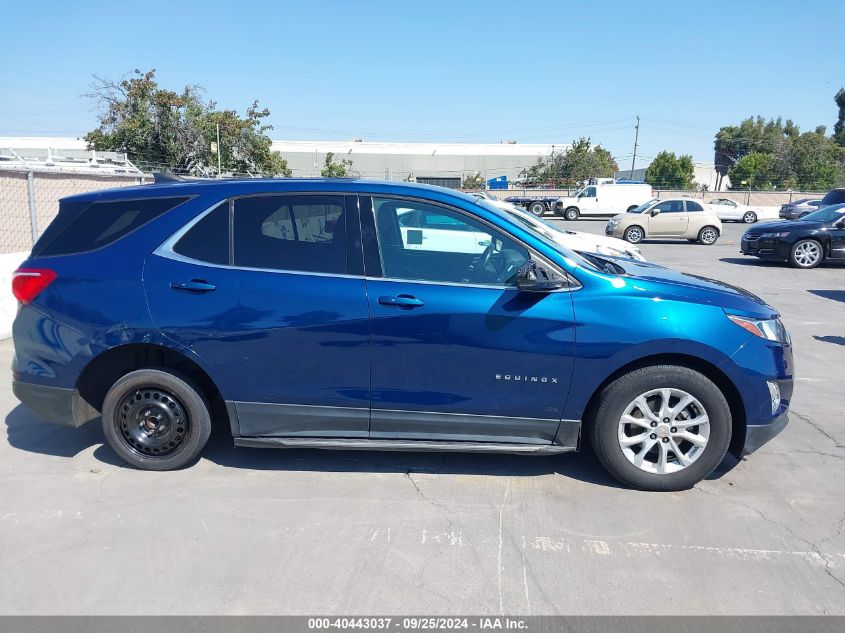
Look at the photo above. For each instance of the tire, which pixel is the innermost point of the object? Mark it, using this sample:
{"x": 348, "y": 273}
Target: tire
{"x": 708, "y": 235}
{"x": 537, "y": 208}
{"x": 607, "y": 430}
{"x": 634, "y": 234}
{"x": 166, "y": 398}
{"x": 806, "y": 254}
{"x": 571, "y": 214}
{"x": 749, "y": 218}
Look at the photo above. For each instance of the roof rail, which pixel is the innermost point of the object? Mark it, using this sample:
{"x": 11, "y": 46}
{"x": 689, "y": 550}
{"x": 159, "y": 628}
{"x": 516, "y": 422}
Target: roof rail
{"x": 162, "y": 177}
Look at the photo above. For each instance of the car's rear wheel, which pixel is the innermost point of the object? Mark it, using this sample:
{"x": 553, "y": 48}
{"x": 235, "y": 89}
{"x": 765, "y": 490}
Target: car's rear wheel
{"x": 750, "y": 217}
{"x": 634, "y": 234}
{"x": 571, "y": 213}
{"x": 661, "y": 428}
{"x": 806, "y": 254}
{"x": 708, "y": 235}
{"x": 537, "y": 208}
{"x": 156, "y": 419}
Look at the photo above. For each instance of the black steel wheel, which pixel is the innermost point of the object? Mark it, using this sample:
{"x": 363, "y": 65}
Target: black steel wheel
{"x": 156, "y": 419}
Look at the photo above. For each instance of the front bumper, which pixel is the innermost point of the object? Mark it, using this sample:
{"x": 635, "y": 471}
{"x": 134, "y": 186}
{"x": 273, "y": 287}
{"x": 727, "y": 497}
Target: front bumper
{"x": 55, "y": 404}
{"x": 764, "y": 247}
{"x": 758, "y": 434}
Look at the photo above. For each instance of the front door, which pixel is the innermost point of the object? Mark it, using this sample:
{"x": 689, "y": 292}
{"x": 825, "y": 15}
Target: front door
{"x": 588, "y": 202}
{"x": 458, "y": 353}
{"x": 670, "y": 222}
{"x": 277, "y": 309}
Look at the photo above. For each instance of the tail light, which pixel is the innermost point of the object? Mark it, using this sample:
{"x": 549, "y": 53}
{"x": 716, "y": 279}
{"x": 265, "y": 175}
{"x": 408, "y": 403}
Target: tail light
{"x": 27, "y": 283}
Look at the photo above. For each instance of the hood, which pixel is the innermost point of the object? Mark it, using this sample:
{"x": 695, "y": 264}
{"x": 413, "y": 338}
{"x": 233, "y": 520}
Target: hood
{"x": 669, "y": 282}
{"x": 788, "y": 225}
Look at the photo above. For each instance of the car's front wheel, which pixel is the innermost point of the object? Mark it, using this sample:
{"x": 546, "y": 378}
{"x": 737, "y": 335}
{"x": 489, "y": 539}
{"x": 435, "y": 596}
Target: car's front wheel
{"x": 750, "y": 217}
{"x": 634, "y": 234}
{"x": 806, "y": 254}
{"x": 571, "y": 213}
{"x": 156, "y": 419}
{"x": 661, "y": 428}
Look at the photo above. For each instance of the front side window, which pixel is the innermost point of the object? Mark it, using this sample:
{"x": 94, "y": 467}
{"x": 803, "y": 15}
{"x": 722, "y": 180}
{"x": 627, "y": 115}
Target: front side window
{"x": 670, "y": 206}
{"x": 305, "y": 233}
{"x": 443, "y": 245}
{"x": 589, "y": 192}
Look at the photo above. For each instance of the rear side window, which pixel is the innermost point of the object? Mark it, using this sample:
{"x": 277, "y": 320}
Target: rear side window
{"x": 694, "y": 206}
{"x": 208, "y": 239}
{"x": 304, "y": 233}
{"x": 81, "y": 227}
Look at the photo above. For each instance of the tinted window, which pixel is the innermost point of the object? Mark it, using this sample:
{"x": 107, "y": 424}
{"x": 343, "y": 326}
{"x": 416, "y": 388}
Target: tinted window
{"x": 589, "y": 192}
{"x": 671, "y": 206}
{"x": 301, "y": 233}
{"x": 835, "y": 196}
{"x": 444, "y": 245}
{"x": 694, "y": 206}
{"x": 208, "y": 239}
{"x": 81, "y": 227}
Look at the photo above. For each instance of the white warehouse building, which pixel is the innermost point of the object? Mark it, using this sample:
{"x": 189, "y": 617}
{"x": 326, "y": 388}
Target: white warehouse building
{"x": 433, "y": 163}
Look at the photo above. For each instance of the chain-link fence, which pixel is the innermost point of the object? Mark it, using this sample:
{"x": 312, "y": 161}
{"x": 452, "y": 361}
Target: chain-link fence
{"x": 29, "y": 200}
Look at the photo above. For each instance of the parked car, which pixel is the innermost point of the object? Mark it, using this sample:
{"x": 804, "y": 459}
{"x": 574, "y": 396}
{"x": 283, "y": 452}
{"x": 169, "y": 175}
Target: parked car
{"x": 294, "y": 312}
{"x": 682, "y": 218}
{"x": 805, "y": 243}
{"x": 579, "y": 241}
{"x": 799, "y": 208}
{"x": 603, "y": 199}
{"x": 733, "y": 211}
{"x": 834, "y": 196}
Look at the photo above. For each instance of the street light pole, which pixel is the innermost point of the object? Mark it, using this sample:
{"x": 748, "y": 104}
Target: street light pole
{"x": 219, "y": 161}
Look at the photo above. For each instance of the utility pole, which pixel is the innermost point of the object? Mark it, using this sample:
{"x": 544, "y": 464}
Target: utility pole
{"x": 219, "y": 162}
{"x": 636, "y": 139}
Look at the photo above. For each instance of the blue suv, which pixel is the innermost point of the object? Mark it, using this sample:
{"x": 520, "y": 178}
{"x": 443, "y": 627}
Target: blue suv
{"x": 356, "y": 314}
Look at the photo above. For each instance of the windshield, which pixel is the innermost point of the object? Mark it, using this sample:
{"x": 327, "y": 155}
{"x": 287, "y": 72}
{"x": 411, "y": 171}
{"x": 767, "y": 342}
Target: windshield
{"x": 643, "y": 206}
{"x": 828, "y": 214}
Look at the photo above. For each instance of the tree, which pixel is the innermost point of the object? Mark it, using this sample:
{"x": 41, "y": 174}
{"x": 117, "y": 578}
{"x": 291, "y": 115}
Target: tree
{"x": 671, "y": 172}
{"x": 754, "y": 134}
{"x": 472, "y": 181}
{"x": 754, "y": 171}
{"x": 161, "y": 129}
{"x": 581, "y": 162}
{"x": 839, "y": 127}
{"x": 336, "y": 169}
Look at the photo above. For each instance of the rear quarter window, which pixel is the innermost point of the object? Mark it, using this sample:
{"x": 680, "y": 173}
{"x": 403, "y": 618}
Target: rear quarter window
{"x": 81, "y": 227}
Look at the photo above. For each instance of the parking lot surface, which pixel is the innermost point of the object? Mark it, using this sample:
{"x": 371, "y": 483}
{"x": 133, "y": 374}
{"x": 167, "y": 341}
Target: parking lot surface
{"x": 250, "y": 531}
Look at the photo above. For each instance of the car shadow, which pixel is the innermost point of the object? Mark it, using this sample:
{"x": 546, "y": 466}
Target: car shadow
{"x": 835, "y": 295}
{"x": 836, "y": 340}
{"x": 751, "y": 261}
{"x": 26, "y": 432}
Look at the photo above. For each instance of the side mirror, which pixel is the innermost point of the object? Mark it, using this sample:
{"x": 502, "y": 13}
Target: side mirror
{"x": 536, "y": 277}
{"x": 654, "y": 212}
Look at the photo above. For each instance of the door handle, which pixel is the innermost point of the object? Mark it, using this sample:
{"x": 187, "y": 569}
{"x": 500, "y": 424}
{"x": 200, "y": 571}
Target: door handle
{"x": 401, "y": 301}
{"x": 195, "y": 285}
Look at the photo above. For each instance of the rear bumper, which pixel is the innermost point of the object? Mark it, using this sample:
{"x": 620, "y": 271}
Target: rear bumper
{"x": 757, "y": 435}
{"x": 55, "y": 404}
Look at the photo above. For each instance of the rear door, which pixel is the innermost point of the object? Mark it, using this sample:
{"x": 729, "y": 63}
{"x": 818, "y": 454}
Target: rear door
{"x": 672, "y": 220}
{"x": 269, "y": 291}
{"x": 458, "y": 353}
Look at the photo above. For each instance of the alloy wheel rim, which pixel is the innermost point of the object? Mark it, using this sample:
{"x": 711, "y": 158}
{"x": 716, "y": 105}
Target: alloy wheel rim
{"x": 709, "y": 236}
{"x": 152, "y": 422}
{"x": 635, "y": 235}
{"x": 807, "y": 254}
{"x": 749, "y": 218}
{"x": 664, "y": 431}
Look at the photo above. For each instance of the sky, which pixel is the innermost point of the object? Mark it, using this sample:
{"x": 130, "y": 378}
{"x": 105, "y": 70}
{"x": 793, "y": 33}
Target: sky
{"x": 460, "y": 71}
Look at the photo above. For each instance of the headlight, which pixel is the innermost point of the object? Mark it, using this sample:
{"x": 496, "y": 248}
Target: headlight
{"x": 782, "y": 234}
{"x": 770, "y": 329}
{"x": 609, "y": 250}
